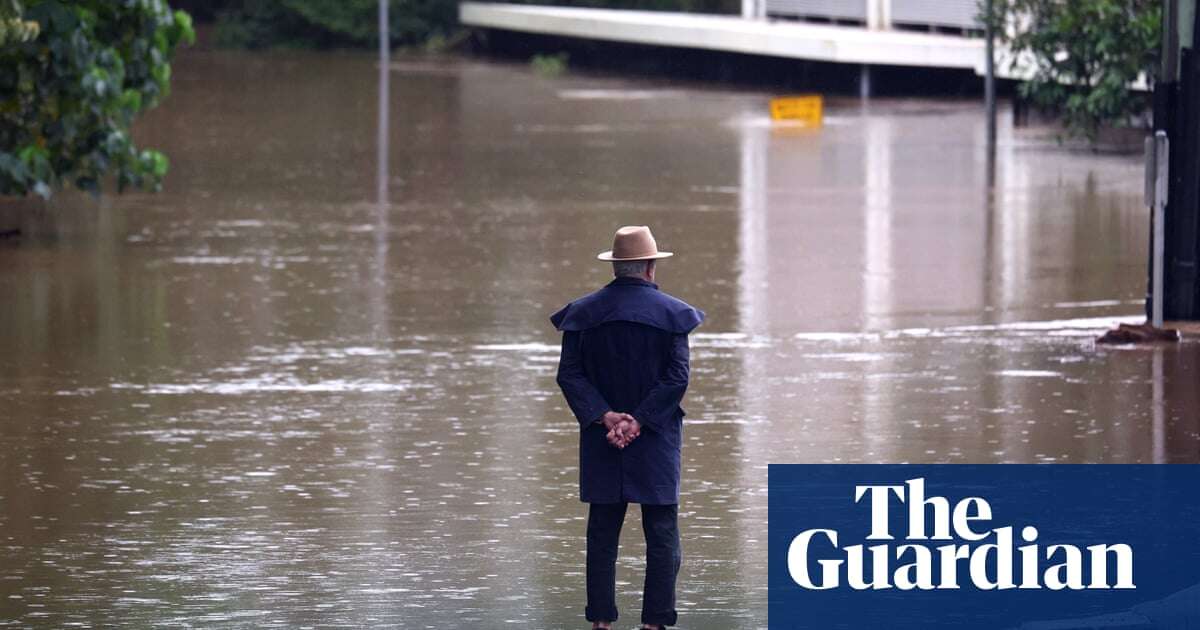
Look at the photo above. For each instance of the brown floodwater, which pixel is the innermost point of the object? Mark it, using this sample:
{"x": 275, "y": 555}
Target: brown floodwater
{"x": 265, "y": 398}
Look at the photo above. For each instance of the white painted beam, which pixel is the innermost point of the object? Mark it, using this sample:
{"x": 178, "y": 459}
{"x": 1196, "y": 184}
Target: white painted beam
{"x": 795, "y": 40}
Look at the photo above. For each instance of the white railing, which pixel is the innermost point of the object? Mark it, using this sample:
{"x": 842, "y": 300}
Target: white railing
{"x": 850, "y": 10}
{"x": 962, "y": 14}
{"x": 873, "y": 14}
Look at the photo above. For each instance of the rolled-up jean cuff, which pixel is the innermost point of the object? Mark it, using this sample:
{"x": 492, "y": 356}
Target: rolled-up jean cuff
{"x": 659, "y": 619}
{"x": 601, "y": 615}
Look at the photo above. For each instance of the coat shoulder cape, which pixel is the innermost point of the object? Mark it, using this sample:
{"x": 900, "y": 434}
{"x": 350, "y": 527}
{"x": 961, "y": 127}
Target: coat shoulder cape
{"x": 640, "y": 303}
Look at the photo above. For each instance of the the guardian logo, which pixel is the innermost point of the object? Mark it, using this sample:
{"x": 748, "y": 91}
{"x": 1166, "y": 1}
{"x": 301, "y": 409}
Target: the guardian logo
{"x": 975, "y": 553}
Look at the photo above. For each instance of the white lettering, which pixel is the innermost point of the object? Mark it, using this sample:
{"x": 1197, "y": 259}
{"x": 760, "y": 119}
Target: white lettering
{"x": 1124, "y": 554}
{"x": 879, "y": 508}
{"x": 797, "y": 560}
{"x": 1073, "y": 565}
{"x": 992, "y": 565}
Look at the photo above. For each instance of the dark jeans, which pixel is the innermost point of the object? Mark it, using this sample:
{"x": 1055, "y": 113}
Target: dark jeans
{"x": 663, "y": 555}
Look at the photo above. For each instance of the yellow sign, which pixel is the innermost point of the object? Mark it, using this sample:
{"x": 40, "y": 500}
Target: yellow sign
{"x": 806, "y": 108}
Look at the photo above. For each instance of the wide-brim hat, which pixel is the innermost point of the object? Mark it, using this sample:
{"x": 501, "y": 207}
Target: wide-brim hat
{"x": 633, "y": 242}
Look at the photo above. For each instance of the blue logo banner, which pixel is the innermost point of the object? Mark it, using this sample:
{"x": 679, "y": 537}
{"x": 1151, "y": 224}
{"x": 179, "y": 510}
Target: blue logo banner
{"x": 1035, "y": 547}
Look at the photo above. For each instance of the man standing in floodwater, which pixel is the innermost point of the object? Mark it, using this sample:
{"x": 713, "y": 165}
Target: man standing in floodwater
{"x": 623, "y": 371}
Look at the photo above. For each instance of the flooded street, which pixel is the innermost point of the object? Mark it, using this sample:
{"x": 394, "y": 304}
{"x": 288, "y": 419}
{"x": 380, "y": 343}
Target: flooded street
{"x": 261, "y": 398}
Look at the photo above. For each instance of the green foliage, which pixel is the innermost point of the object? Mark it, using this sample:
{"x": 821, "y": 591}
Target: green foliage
{"x": 1085, "y": 53}
{"x": 549, "y": 65}
{"x": 12, "y": 27}
{"x": 321, "y": 23}
{"x": 265, "y": 24}
{"x": 69, "y": 96}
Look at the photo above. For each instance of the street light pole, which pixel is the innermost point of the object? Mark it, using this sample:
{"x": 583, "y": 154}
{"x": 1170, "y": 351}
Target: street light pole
{"x": 989, "y": 88}
{"x": 384, "y": 103}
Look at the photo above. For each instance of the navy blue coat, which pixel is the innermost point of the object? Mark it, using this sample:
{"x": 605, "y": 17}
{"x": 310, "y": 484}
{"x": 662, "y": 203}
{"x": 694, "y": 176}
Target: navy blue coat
{"x": 625, "y": 348}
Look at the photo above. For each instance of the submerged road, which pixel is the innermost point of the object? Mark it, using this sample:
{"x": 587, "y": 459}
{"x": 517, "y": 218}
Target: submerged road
{"x": 262, "y": 398}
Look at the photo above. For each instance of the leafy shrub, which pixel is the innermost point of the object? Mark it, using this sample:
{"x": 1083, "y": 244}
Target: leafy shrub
{"x": 12, "y": 26}
{"x": 1086, "y": 54}
{"x": 549, "y": 65}
{"x": 68, "y": 96}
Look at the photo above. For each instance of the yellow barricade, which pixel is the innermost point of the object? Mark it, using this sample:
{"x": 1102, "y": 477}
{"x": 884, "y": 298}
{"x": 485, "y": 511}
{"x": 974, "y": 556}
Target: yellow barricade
{"x": 806, "y": 108}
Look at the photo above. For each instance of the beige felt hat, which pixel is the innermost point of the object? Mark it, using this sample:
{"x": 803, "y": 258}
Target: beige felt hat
{"x": 633, "y": 242}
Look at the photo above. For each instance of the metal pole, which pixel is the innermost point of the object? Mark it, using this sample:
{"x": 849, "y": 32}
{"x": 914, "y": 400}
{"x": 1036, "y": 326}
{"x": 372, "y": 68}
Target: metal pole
{"x": 378, "y": 288}
{"x": 989, "y": 82}
{"x": 382, "y": 173}
{"x": 384, "y": 44}
{"x": 1161, "y": 166}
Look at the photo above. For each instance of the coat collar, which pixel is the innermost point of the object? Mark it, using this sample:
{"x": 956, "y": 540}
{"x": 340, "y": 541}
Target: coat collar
{"x": 647, "y": 305}
{"x": 638, "y": 282}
